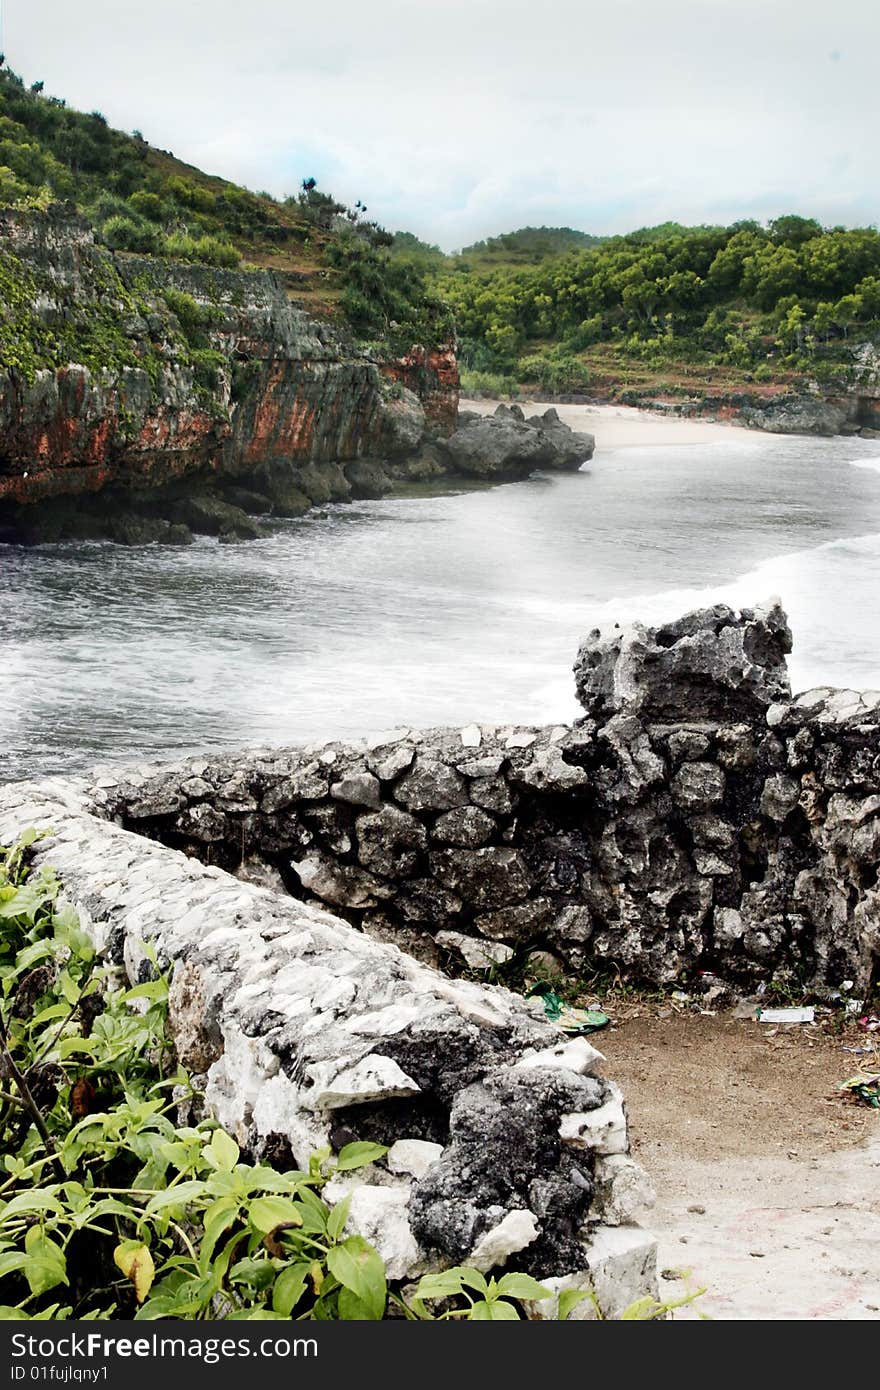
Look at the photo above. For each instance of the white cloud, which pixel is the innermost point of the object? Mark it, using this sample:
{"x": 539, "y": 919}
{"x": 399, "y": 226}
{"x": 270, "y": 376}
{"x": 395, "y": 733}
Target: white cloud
{"x": 464, "y": 118}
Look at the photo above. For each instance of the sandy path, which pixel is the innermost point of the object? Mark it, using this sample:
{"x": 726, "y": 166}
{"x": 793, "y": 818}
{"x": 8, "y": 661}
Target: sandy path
{"x": 622, "y": 427}
{"x": 768, "y": 1184}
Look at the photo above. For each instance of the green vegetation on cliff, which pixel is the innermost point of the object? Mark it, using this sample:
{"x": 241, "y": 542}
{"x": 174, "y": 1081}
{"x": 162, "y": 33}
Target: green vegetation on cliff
{"x": 753, "y": 303}
{"x": 143, "y": 200}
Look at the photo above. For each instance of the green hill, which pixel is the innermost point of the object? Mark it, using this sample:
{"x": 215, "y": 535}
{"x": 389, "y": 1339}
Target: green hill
{"x": 144, "y": 200}
{"x": 673, "y": 308}
{"x": 526, "y": 246}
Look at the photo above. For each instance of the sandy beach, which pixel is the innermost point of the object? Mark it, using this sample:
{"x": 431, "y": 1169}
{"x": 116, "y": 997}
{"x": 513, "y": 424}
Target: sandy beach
{"x": 623, "y": 427}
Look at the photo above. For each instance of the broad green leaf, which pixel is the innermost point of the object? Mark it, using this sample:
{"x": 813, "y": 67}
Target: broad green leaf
{"x": 358, "y": 1155}
{"x": 136, "y": 1263}
{"x": 69, "y": 1047}
{"x": 46, "y": 1266}
{"x": 179, "y": 1195}
{"x": 14, "y": 1259}
{"x": 497, "y": 1311}
{"x": 218, "y": 1218}
{"x": 350, "y": 1308}
{"x": 643, "y": 1310}
{"x": 256, "y": 1274}
{"x": 223, "y": 1150}
{"x": 27, "y": 1202}
{"x": 359, "y": 1267}
{"x": 522, "y": 1286}
{"x": 46, "y": 1015}
{"x": 289, "y": 1288}
{"x": 473, "y": 1279}
{"x": 38, "y": 950}
{"x": 569, "y": 1300}
{"x": 443, "y": 1285}
{"x": 265, "y": 1213}
{"x": 338, "y": 1218}
{"x": 151, "y": 990}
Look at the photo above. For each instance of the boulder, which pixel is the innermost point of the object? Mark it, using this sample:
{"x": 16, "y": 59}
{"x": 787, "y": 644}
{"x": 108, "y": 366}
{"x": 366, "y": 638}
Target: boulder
{"x": 367, "y": 479}
{"x": 211, "y": 516}
{"x": 508, "y": 446}
{"x": 713, "y": 664}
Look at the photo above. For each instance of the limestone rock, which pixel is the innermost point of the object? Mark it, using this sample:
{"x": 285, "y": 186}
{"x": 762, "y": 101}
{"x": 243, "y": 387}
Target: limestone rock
{"x": 390, "y": 841}
{"x": 697, "y": 786}
{"x": 624, "y": 1192}
{"x": 413, "y": 1156}
{"x": 466, "y": 826}
{"x": 621, "y": 1269}
{"x": 379, "y": 1214}
{"x": 343, "y": 885}
{"x": 712, "y": 664}
{"x": 602, "y": 1130}
{"x": 358, "y": 788}
{"x": 389, "y": 761}
{"x": 367, "y": 479}
{"x": 571, "y": 1054}
{"x": 505, "y": 445}
{"x": 780, "y": 796}
{"x": 478, "y": 955}
{"x": 483, "y": 878}
{"x": 431, "y": 785}
{"x": 514, "y": 1232}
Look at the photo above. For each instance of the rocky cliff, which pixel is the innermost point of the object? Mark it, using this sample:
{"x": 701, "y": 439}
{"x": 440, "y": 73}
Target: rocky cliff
{"x": 134, "y": 373}
{"x": 143, "y": 399}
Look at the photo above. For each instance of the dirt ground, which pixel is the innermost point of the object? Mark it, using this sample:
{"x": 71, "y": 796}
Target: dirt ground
{"x": 767, "y": 1180}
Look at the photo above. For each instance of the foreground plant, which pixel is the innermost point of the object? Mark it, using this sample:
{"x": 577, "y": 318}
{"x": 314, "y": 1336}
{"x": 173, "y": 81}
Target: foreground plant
{"x": 110, "y": 1207}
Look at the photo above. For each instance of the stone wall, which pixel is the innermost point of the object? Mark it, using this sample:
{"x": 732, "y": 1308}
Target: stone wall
{"x": 506, "y": 1143}
{"x": 698, "y": 818}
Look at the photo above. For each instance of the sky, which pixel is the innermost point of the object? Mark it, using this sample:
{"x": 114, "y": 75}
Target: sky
{"x": 462, "y": 119}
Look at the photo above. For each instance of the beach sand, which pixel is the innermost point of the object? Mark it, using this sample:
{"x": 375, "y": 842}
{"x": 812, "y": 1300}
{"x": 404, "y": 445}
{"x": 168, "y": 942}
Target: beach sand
{"x": 623, "y": 427}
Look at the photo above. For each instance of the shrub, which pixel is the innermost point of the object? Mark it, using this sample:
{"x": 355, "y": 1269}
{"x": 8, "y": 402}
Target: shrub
{"x": 147, "y": 204}
{"x": 206, "y": 249}
{"x": 125, "y": 234}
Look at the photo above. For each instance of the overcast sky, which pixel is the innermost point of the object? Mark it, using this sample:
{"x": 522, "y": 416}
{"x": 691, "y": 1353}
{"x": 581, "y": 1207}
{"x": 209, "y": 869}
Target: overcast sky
{"x": 462, "y": 118}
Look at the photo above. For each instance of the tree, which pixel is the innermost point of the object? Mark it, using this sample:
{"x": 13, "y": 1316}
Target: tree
{"x": 791, "y": 230}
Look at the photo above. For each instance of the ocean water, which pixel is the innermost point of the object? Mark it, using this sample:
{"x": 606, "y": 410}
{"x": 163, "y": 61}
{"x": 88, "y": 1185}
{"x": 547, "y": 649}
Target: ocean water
{"x": 432, "y": 609}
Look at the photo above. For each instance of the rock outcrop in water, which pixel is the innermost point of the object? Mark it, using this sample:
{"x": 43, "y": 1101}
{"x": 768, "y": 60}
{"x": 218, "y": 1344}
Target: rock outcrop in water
{"x": 197, "y": 398}
{"x": 697, "y": 817}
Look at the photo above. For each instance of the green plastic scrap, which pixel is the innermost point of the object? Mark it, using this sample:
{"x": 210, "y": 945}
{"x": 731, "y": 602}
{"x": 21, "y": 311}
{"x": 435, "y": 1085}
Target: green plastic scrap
{"x": 867, "y": 1088}
{"x": 566, "y": 1017}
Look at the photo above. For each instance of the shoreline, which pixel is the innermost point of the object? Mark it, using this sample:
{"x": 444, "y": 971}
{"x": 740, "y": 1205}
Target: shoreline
{"x": 623, "y": 426}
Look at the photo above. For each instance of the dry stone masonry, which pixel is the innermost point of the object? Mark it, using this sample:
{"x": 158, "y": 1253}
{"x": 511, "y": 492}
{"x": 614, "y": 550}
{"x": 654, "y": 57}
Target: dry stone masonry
{"x": 506, "y": 1145}
{"x": 697, "y": 818}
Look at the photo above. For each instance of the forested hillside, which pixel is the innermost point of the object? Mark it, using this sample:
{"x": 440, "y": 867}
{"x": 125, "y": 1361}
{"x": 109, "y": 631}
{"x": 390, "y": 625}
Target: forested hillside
{"x": 744, "y": 303}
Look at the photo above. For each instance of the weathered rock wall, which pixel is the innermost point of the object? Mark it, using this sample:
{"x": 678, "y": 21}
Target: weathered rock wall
{"x": 143, "y": 405}
{"x": 697, "y": 818}
{"x": 506, "y": 1143}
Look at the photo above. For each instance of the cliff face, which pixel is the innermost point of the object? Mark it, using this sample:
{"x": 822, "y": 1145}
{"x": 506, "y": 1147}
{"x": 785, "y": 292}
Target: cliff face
{"x": 121, "y": 369}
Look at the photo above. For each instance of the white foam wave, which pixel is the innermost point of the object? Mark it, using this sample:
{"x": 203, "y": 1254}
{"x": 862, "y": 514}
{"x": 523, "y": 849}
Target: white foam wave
{"x": 831, "y": 593}
{"x": 872, "y": 463}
